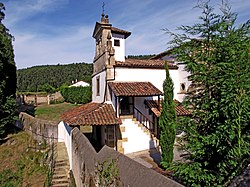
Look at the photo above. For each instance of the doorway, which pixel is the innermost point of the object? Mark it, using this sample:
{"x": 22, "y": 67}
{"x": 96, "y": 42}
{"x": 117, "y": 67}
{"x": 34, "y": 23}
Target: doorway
{"x": 126, "y": 105}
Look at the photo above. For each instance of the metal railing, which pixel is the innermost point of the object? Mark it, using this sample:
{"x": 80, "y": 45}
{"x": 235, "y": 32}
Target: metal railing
{"x": 145, "y": 121}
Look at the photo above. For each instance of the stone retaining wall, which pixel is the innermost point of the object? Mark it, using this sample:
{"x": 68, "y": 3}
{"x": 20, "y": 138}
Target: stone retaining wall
{"x": 41, "y": 130}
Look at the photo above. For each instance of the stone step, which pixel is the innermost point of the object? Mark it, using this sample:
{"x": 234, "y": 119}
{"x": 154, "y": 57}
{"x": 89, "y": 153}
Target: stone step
{"x": 59, "y": 181}
{"x": 60, "y": 172}
{"x": 60, "y": 176}
{"x": 62, "y": 167}
{"x": 60, "y": 185}
{"x": 59, "y": 164}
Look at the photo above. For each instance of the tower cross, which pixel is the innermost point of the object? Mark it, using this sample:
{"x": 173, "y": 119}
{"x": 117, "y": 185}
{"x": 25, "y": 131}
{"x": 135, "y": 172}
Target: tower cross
{"x": 103, "y": 7}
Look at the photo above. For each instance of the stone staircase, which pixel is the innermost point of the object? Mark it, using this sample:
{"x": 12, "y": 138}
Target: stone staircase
{"x": 61, "y": 174}
{"x": 135, "y": 137}
{"x": 147, "y": 131}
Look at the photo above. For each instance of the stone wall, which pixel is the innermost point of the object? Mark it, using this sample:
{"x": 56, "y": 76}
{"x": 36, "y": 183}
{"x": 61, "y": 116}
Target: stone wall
{"x": 41, "y": 130}
{"x": 37, "y": 99}
{"x": 86, "y": 162}
{"x": 88, "y": 166}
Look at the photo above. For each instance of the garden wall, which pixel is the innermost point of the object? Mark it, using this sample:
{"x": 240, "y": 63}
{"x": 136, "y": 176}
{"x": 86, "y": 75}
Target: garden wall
{"x": 41, "y": 130}
{"x": 89, "y": 167}
{"x": 87, "y": 162}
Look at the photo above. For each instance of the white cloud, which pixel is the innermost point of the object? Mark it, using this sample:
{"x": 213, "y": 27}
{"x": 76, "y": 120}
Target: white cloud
{"x": 74, "y": 46}
{"x": 73, "y": 43}
{"x": 19, "y": 10}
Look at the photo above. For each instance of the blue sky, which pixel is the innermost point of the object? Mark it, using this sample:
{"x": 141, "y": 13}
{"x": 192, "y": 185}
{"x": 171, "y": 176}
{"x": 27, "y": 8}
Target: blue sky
{"x": 60, "y": 31}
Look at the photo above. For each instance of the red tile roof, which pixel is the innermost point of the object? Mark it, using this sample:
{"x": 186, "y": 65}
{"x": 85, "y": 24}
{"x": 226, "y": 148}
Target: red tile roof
{"x": 120, "y": 31}
{"x": 137, "y": 63}
{"x": 91, "y": 114}
{"x": 180, "y": 110}
{"x": 134, "y": 89}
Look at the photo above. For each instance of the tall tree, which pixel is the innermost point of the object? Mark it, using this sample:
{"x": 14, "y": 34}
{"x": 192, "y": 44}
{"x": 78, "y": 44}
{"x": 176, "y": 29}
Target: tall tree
{"x": 219, "y": 131}
{"x": 7, "y": 76}
{"x": 167, "y": 121}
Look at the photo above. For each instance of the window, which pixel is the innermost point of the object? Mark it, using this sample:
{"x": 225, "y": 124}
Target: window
{"x": 98, "y": 86}
{"x": 183, "y": 87}
{"x": 117, "y": 43}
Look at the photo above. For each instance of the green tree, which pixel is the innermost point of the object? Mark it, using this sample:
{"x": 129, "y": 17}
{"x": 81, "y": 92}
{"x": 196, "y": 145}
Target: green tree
{"x": 7, "y": 77}
{"x": 31, "y": 79}
{"x": 47, "y": 88}
{"x": 219, "y": 130}
{"x": 167, "y": 121}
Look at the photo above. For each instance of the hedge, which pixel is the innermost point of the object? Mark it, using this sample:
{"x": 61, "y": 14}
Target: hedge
{"x": 77, "y": 95}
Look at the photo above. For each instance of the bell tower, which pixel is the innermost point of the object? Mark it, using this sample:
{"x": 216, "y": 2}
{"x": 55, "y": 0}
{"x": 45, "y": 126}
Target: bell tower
{"x": 104, "y": 52}
{"x": 110, "y": 47}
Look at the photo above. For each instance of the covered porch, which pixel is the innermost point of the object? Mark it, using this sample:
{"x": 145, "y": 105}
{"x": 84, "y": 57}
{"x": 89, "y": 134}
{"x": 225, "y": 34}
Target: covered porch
{"x": 129, "y": 98}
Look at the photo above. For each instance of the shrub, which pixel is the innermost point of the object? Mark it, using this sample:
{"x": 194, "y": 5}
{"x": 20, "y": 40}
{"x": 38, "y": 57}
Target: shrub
{"x": 79, "y": 95}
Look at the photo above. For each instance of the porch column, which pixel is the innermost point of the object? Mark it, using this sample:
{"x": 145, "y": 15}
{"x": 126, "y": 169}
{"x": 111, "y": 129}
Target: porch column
{"x": 117, "y": 106}
{"x": 159, "y": 103}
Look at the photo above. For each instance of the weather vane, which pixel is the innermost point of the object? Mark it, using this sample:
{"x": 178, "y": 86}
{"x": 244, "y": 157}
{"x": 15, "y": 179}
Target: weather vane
{"x": 103, "y": 6}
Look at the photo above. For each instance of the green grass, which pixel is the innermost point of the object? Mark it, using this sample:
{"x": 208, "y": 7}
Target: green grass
{"x": 32, "y": 93}
{"x": 53, "y": 112}
{"x": 20, "y": 164}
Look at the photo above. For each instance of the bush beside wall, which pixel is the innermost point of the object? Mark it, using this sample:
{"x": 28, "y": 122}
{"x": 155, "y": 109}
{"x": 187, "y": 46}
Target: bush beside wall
{"x": 78, "y": 95}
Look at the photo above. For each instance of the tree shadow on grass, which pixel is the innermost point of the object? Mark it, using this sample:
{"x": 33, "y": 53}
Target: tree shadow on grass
{"x": 27, "y": 108}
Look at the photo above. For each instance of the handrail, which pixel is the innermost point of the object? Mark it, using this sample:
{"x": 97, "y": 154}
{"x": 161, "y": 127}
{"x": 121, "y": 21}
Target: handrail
{"x": 143, "y": 119}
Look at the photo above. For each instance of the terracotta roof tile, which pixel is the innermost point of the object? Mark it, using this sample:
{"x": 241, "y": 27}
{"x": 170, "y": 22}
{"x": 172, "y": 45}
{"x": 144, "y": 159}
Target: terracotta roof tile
{"x": 137, "y": 63}
{"x": 180, "y": 110}
{"x": 134, "y": 89}
{"x": 120, "y": 31}
{"x": 91, "y": 114}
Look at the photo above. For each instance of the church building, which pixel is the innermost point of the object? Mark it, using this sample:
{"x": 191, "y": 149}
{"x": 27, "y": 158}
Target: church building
{"x": 126, "y": 93}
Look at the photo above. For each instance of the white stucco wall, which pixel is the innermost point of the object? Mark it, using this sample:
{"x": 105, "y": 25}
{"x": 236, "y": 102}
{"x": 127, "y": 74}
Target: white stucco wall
{"x": 139, "y": 104}
{"x": 155, "y": 76}
{"x": 119, "y": 51}
{"x": 64, "y": 135}
{"x": 183, "y": 75}
{"x": 102, "y": 78}
{"x": 138, "y": 140}
{"x": 114, "y": 101}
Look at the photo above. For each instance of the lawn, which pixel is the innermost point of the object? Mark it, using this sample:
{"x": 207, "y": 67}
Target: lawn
{"x": 53, "y": 112}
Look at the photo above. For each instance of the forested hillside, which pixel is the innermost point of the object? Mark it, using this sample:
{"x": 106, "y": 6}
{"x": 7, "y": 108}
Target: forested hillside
{"x": 142, "y": 57}
{"x": 32, "y": 79}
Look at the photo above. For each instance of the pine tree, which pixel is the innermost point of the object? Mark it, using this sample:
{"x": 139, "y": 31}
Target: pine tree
{"x": 219, "y": 131}
{"x": 167, "y": 121}
{"x": 7, "y": 77}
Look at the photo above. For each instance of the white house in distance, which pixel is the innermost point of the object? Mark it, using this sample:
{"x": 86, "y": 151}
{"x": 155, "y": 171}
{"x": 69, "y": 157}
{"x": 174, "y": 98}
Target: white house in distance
{"x": 126, "y": 94}
{"x": 79, "y": 83}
